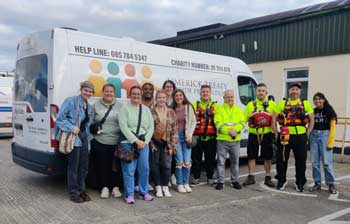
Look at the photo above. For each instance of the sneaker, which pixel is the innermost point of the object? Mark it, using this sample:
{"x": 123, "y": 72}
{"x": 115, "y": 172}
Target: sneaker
{"x": 159, "y": 192}
{"x": 136, "y": 189}
{"x": 173, "y": 180}
{"x": 316, "y": 187}
{"x": 166, "y": 191}
{"x": 187, "y": 188}
{"x": 76, "y": 198}
{"x": 130, "y": 200}
{"x": 181, "y": 189}
{"x": 331, "y": 189}
{"x": 219, "y": 186}
{"x": 195, "y": 182}
{"x": 249, "y": 181}
{"x": 268, "y": 182}
{"x": 150, "y": 187}
{"x": 299, "y": 187}
{"x": 116, "y": 192}
{"x": 146, "y": 197}
{"x": 85, "y": 196}
{"x": 236, "y": 185}
{"x": 104, "y": 192}
{"x": 281, "y": 185}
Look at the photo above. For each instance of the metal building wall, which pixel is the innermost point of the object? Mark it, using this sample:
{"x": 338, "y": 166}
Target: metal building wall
{"x": 326, "y": 34}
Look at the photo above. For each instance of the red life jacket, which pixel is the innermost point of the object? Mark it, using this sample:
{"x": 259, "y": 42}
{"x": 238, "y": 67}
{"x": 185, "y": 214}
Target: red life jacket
{"x": 205, "y": 121}
{"x": 293, "y": 115}
{"x": 259, "y": 119}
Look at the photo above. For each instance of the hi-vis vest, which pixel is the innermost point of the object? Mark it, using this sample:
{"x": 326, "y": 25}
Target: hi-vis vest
{"x": 205, "y": 120}
{"x": 259, "y": 119}
{"x": 293, "y": 115}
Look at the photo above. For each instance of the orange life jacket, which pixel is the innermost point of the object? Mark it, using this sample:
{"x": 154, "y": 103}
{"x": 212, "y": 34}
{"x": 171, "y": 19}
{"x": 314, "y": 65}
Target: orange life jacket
{"x": 293, "y": 115}
{"x": 205, "y": 121}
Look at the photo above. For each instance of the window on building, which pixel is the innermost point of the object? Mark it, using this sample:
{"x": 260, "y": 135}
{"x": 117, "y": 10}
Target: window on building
{"x": 298, "y": 75}
{"x": 258, "y": 76}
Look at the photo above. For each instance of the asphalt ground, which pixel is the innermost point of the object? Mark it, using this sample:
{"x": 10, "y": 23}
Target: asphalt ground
{"x": 29, "y": 197}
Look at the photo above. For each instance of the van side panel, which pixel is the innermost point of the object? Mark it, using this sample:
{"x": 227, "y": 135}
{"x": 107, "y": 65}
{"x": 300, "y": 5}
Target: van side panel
{"x": 73, "y": 57}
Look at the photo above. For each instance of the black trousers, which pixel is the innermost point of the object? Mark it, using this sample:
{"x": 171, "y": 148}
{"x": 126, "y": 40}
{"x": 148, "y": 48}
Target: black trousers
{"x": 209, "y": 150}
{"x": 103, "y": 157}
{"x": 161, "y": 165}
{"x": 77, "y": 167}
{"x": 297, "y": 143}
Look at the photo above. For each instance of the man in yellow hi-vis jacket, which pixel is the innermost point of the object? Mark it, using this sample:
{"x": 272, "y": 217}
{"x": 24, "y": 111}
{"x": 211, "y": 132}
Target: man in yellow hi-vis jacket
{"x": 229, "y": 121}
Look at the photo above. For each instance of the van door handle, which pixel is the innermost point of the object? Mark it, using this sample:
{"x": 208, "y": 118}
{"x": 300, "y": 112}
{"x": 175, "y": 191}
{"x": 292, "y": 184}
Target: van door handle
{"x": 30, "y": 119}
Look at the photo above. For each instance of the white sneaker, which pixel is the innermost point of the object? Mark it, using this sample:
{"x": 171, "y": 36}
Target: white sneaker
{"x": 173, "y": 180}
{"x": 136, "y": 189}
{"x": 104, "y": 192}
{"x": 166, "y": 191}
{"x": 150, "y": 188}
{"x": 181, "y": 189}
{"x": 116, "y": 193}
{"x": 187, "y": 188}
{"x": 159, "y": 193}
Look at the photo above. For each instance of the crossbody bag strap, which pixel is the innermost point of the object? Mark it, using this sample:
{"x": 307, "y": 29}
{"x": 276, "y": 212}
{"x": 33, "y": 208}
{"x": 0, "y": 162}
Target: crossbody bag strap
{"x": 139, "y": 120}
{"x": 106, "y": 114}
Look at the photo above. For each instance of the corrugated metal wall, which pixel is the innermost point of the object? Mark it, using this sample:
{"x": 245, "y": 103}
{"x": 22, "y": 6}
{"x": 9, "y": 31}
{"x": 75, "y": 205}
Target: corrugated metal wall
{"x": 318, "y": 36}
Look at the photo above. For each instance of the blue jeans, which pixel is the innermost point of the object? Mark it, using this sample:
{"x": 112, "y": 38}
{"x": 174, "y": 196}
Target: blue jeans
{"x": 183, "y": 160}
{"x": 319, "y": 152}
{"x": 128, "y": 169}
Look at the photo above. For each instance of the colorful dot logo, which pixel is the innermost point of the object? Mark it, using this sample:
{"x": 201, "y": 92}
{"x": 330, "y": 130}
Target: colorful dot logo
{"x": 116, "y": 82}
{"x": 113, "y": 68}
{"x": 130, "y": 70}
{"x": 98, "y": 83}
{"x": 129, "y": 81}
{"x": 95, "y": 66}
{"x": 146, "y": 72}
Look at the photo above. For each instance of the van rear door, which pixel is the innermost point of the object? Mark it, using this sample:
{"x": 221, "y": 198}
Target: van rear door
{"x": 31, "y": 109}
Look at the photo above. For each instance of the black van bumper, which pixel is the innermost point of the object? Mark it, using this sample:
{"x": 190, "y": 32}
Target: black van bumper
{"x": 49, "y": 163}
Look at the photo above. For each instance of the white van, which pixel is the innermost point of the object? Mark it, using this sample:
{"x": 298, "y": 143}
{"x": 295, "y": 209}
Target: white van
{"x": 6, "y": 94}
{"x": 51, "y": 64}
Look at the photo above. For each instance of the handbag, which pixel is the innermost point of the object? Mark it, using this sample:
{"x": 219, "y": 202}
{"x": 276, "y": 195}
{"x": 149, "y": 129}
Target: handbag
{"x": 124, "y": 154}
{"x": 96, "y": 127}
{"x": 67, "y": 139}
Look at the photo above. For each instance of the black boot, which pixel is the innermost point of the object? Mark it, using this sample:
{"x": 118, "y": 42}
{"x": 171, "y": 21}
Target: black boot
{"x": 268, "y": 181}
{"x": 249, "y": 181}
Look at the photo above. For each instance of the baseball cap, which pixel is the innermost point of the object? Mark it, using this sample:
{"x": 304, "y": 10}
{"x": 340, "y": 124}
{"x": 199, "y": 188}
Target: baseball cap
{"x": 295, "y": 84}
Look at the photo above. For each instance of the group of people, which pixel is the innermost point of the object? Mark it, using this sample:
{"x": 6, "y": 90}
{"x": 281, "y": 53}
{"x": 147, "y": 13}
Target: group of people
{"x": 157, "y": 135}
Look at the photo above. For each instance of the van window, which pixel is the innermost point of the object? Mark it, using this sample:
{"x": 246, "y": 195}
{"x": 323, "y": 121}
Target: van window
{"x": 31, "y": 82}
{"x": 246, "y": 89}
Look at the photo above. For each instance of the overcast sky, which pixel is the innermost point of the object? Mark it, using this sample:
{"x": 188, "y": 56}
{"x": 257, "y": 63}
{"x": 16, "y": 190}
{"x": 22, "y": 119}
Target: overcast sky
{"x": 142, "y": 20}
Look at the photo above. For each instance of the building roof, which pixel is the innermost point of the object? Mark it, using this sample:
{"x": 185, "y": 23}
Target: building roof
{"x": 273, "y": 19}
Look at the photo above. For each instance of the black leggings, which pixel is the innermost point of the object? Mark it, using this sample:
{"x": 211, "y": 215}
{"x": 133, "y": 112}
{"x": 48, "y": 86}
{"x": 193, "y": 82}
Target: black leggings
{"x": 103, "y": 157}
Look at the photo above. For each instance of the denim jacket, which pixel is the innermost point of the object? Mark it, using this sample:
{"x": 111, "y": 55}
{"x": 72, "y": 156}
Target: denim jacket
{"x": 65, "y": 120}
